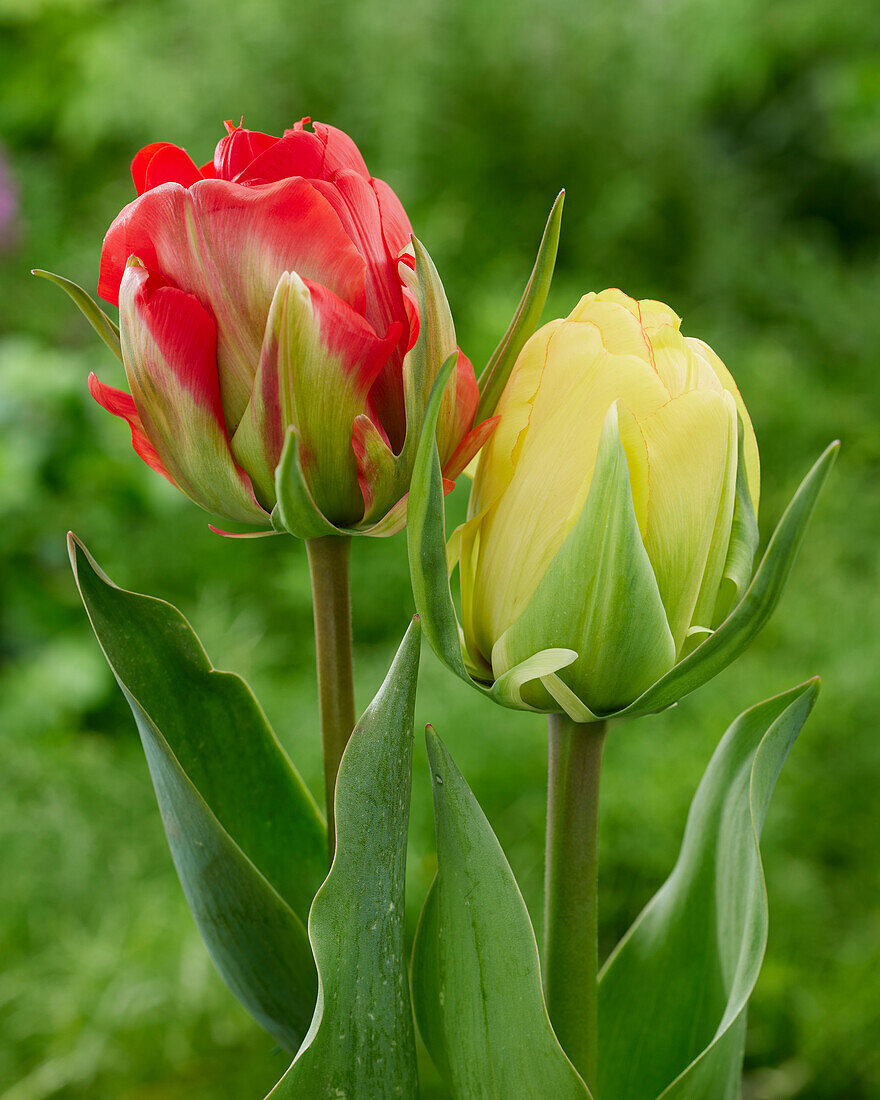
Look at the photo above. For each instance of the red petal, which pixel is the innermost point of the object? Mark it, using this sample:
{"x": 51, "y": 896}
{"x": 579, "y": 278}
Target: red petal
{"x": 229, "y": 245}
{"x": 298, "y": 153}
{"x": 236, "y": 151}
{"x": 121, "y": 404}
{"x": 357, "y": 206}
{"x": 186, "y": 335}
{"x": 170, "y": 164}
{"x": 395, "y": 224}
{"x": 139, "y": 164}
{"x": 318, "y": 155}
{"x": 348, "y": 336}
{"x": 341, "y": 153}
{"x": 458, "y": 409}
{"x": 469, "y": 446}
{"x": 169, "y": 344}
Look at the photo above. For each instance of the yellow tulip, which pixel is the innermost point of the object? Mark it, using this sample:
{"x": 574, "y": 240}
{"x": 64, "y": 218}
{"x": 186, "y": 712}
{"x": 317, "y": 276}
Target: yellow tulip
{"x": 613, "y": 510}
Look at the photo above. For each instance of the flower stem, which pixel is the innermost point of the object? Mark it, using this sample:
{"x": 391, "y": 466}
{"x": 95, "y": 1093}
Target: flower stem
{"x": 571, "y": 924}
{"x": 331, "y": 598}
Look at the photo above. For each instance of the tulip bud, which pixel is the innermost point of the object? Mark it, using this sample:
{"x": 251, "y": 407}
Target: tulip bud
{"x": 272, "y": 300}
{"x": 612, "y": 512}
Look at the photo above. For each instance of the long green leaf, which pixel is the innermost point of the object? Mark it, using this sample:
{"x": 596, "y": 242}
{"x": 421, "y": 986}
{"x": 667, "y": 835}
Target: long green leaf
{"x": 476, "y": 974}
{"x": 361, "y": 1043}
{"x": 246, "y": 837}
{"x": 97, "y": 318}
{"x": 673, "y": 996}
{"x": 751, "y": 614}
{"x": 426, "y": 539}
{"x": 525, "y": 320}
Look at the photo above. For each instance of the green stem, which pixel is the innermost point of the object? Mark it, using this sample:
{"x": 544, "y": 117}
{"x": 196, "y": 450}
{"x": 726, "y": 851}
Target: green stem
{"x": 571, "y": 924}
{"x": 328, "y": 565}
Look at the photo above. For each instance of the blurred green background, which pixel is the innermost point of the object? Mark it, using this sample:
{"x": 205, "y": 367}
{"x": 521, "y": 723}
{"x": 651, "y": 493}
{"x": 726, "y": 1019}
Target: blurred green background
{"x": 722, "y": 155}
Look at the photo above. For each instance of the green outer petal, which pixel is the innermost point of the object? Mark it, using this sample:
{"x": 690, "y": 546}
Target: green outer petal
{"x": 673, "y": 995}
{"x": 525, "y": 320}
{"x": 751, "y": 614}
{"x": 476, "y": 975}
{"x": 599, "y": 597}
{"x": 542, "y": 666}
{"x": 361, "y": 1043}
{"x": 97, "y": 318}
{"x": 426, "y": 539}
{"x": 296, "y": 508}
{"x": 249, "y": 876}
{"x": 435, "y": 343}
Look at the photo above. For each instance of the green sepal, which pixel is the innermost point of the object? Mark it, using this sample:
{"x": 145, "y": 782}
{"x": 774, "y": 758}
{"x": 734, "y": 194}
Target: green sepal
{"x": 426, "y": 539}
{"x": 97, "y": 318}
{"x": 476, "y": 974}
{"x": 361, "y": 1043}
{"x": 673, "y": 995}
{"x": 750, "y": 615}
{"x": 246, "y": 836}
{"x": 296, "y": 508}
{"x": 525, "y": 320}
{"x": 434, "y": 346}
{"x": 599, "y": 597}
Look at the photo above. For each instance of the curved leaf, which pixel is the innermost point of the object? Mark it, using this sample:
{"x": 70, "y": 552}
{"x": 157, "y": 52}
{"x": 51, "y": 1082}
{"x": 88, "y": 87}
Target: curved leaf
{"x": 246, "y": 836}
{"x": 673, "y": 995}
{"x": 750, "y": 615}
{"x": 97, "y": 318}
{"x": 525, "y": 320}
{"x": 476, "y": 974}
{"x": 426, "y": 539}
{"x": 361, "y": 1043}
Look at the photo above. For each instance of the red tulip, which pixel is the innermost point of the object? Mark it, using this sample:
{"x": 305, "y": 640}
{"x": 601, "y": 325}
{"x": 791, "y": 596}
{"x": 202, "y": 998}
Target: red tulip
{"x": 278, "y": 290}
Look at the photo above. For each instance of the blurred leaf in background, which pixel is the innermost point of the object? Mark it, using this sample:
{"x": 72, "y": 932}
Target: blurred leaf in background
{"x": 722, "y": 155}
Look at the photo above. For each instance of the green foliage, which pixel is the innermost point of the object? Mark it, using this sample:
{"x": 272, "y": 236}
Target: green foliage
{"x": 245, "y": 835}
{"x": 718, "y": 154}
{"x": 476, "y": 976}
{"x": 674, "y": 994}
{"x": 362, "y": 1042}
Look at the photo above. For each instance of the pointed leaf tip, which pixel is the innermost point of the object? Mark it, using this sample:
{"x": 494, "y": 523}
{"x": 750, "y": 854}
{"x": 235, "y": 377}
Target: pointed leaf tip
{"x": 361, "y": 1040}
{"x": 673, "y": 1019}
{"x": 525, "y": 319}
{"x": 483, "y": 1019}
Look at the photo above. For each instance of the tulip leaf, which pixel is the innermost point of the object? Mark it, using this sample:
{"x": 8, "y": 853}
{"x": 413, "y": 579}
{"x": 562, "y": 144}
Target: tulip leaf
{"x": 362, "y": 1043}
{"x": 97, "y": 318}
{"x": 525, "y": 320}
{"x": 751, "y": 614}
{"x": 673, "y": 995}
{"x": 599, "y": 596}
{"x": 245, "y": 835}
{"x": 476, "y": 974}
{"x": 435, "y": 343}
{"x": 426, "y": 539}
{"x": 297, "y": 510}
{"x": 744, "y": 536}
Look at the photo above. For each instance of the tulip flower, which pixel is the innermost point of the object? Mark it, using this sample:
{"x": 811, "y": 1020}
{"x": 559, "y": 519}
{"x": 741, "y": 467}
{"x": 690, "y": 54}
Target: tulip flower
{"x": 619, "y": 442}
{"x": 606, "y": 563}
{"x": 275, "y": 296}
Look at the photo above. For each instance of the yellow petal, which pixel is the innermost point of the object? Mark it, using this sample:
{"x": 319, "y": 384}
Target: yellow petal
{"x": 750, "y": 443}
{"x": 522, "y": 531}
{"x": 678, "y": 456}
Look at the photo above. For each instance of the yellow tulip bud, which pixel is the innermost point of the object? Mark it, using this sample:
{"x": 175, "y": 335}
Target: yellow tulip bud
{"x": 612, "y": 511}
